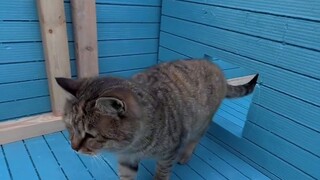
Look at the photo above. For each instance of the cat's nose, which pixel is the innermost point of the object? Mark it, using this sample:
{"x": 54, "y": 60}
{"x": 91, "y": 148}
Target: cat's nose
{"x": 75, "y": 146}
{"x": 75, "y": 143}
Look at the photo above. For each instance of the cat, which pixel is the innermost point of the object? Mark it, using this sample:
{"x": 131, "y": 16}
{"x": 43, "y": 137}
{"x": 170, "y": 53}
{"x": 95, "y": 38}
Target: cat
{"x": 160, "y": 113}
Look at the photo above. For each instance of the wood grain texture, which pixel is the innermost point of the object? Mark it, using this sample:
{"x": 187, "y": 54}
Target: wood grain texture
{"x": 26, "y": 11}
{"x": 294, "y": 8}
{"x": 129, "y": 2}
{"x": 277, "y": 28}
{"x": 55, "y": 45}
{"x": 286, "y": 128}
{"x": 303, "y": 160}
{"x": 120, "y": 63}
{"x": 260, "y": 158}
{"x": 24, "y": 107}
{"x": 127, "y": 14}
{"x": 258, "y": 49}
{"x": 28, "y": 127}
{"x": 13, "y": 91}
{"x": 297, "y": 110}
{"x": 85, "y": 34}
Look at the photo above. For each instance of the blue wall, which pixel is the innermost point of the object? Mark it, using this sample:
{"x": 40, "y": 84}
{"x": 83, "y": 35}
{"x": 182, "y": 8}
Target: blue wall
{"x": 128, "y": 42}
{"x": 281, "y": 41}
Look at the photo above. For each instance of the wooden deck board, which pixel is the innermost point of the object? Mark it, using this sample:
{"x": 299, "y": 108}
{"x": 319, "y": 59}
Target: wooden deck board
{"x": 42, "y": 155}
{"x": 19, "y": 162}
{"x": 52, "y": 157}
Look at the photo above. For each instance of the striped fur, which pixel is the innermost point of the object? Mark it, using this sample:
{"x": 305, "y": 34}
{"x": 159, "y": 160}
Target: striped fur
{"x": 160, "y": 113}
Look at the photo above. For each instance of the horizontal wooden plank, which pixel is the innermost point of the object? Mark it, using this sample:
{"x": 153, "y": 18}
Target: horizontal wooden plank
{"x": 27, "y": 71}
{"x": 303, "y": 160}
{"x": 166, "y": 55}
{"x": 29, "y": 51}
{"x": 127, "y": 47}
{"x": 290, "y": 107}
{"x": 285, "y": 128}
{"x": 13, "y": 91}
{"x": 25, "y": 52}
{"x": 230, "y": 117}
{"x": 286, "y": 30}
{"x": 296, "y": 85}
{"x": 252, "y": 47}
{"x": 19, "y": 162}
{"x": 294, "y": 8}
{"x": 25, "y": 31}
{"x": 14, "y": 109}
{"x": 29, "y": 31}
{"x": 21, "y": 52}
{"x": 229, "y": 109}
{"x": 228, "y": 125}
{"x": 120, "y": 13}
{"x": 264, "y": 160}
{"x": 18, "y": 10}
{"x": 130, "y": 2}
{"x": 28, "y": 127}
{"x": 24, "y": 10}
{"x": 120, "y": 63}
{"x": 110, "y": 31}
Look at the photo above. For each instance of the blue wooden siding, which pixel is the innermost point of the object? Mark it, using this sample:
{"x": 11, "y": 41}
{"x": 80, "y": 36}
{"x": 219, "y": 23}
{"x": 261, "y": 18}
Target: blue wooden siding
{"x": 281, "y": 41}
{"x": 127, "y": 40}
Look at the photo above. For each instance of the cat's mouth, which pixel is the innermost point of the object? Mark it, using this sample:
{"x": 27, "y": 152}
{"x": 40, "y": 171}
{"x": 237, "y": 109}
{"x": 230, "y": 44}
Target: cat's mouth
{"x": 88, "y": 151}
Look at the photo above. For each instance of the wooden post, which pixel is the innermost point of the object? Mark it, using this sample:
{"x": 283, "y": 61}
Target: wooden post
{"x": 55, "y": 45}
{"x": 85, "y": 36}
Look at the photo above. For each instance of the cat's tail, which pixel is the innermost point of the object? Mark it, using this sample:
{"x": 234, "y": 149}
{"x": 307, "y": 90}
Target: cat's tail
{"x": 241, "y": 90}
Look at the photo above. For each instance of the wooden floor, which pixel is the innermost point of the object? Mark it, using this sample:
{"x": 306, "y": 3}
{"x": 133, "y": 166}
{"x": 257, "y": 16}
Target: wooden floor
{"x": 50, "y": 157}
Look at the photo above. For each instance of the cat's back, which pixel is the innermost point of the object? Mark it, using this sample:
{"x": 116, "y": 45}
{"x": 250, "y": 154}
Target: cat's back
{"x": 195, "y": 79}
{"x": 182, "y": 72}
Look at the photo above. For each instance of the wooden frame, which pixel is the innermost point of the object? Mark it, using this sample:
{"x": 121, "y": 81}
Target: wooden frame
{"x": 28, "y": 127}
{"x": 55, "y": 45}
{"x": 85, "y": 37}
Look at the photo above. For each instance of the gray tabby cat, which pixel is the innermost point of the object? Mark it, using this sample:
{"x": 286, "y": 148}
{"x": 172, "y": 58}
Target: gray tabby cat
{"x": 161, "y": 113}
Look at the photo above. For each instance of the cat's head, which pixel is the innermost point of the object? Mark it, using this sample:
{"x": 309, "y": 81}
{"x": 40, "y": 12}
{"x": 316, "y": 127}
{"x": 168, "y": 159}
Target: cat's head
{"x": 103, "y": 114}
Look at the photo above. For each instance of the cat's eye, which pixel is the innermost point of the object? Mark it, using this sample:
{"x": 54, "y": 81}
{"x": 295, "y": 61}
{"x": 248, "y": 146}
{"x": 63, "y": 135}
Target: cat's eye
{"x": 87, "y": 135}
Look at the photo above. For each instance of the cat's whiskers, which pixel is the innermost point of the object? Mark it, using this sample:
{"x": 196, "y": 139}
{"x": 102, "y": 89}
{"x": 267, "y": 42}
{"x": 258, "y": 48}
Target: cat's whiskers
{"x": 98, "y": 159}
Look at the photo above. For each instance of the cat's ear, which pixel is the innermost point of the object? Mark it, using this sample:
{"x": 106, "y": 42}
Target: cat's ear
{"x": 111, "y": 106}
{"x": 69, "y": 85}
